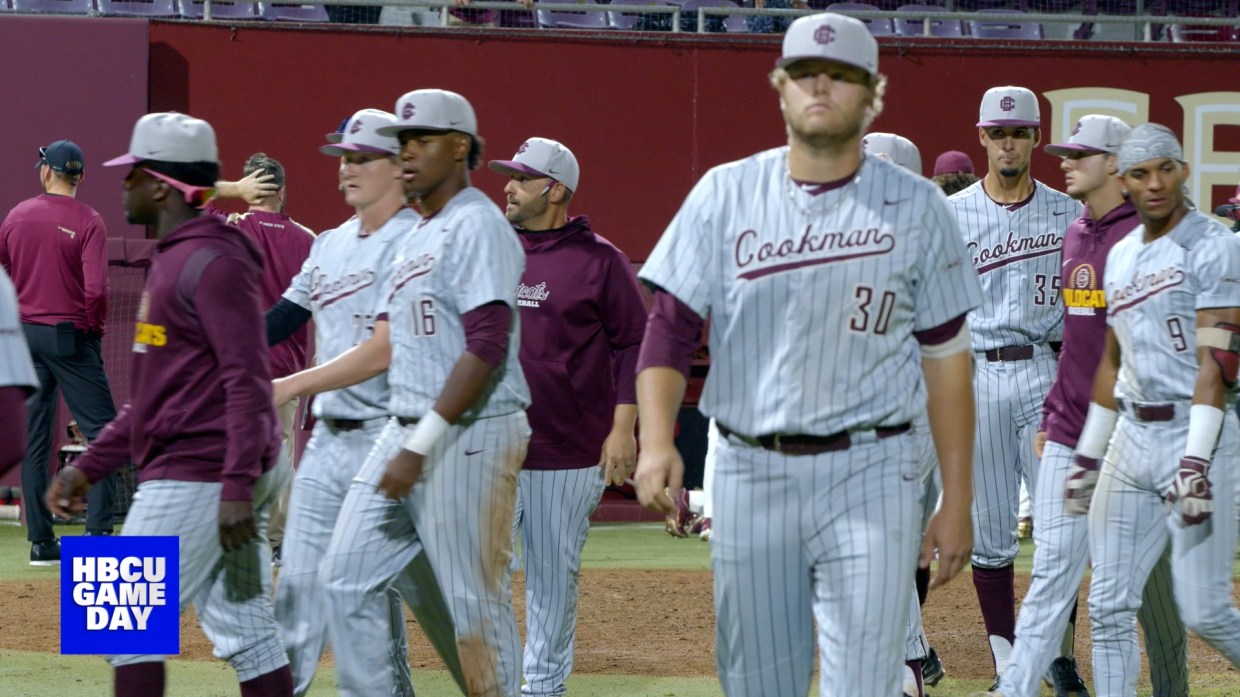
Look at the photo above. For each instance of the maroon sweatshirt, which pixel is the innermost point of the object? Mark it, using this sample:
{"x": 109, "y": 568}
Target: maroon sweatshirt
{"x": 201, "y": 409}
{"x": 582, "y": 320}
{"x": 1085, "y": 247}
{"x": 56, "y": 250}
{"x": 285, "y": 244}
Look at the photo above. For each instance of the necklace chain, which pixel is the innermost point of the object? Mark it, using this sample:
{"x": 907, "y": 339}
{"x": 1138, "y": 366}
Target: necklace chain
{"x": 823, "y": 209}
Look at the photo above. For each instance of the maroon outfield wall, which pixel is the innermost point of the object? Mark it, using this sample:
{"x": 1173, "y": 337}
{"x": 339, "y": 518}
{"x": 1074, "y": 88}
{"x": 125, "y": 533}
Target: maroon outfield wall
{"x": 647, "y": 117}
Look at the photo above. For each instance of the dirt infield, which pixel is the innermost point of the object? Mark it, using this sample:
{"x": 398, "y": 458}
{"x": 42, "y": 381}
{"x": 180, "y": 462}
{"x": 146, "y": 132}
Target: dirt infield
{"x": 632, "y": 623}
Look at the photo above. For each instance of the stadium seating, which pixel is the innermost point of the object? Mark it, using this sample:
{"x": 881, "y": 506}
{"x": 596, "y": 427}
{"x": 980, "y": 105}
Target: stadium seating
{"x": 994, "y": 29}
{"x": 518, "y": 19}
{"x": 193, "y": 9}
{"x": 292, "y": 13}
{"x": 877, "y": 27}
{"x": 573, "y": 20}
{"x": 137, "y": 8}
{"x": 714, "y": 23}
{"x": 66, "y": 7}
{"x": 917, "y": 27}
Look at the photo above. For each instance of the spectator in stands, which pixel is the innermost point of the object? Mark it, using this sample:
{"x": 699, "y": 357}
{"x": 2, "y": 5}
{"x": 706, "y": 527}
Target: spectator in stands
{"x": 285, "y": 244}
{"x": 461, "y": 17}
{"x": 953, "y": 171}
{"x": 55, "y": 249}
{"x": 760, "y": 24}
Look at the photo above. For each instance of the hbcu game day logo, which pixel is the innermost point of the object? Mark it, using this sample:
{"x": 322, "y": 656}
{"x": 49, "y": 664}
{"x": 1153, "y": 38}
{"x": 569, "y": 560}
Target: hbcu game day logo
{"x": 119, "y": 595}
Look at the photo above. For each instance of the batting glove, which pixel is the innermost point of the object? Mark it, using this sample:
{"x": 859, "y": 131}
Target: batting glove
{"x": 1190, "y": 492}
{"x": 1082, "y": 478}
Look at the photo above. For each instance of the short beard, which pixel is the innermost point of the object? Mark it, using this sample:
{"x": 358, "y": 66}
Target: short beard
{"x": 1009, "y": 172}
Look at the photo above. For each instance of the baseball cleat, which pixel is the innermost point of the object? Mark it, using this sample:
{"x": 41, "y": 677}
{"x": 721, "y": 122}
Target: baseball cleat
{"x": 701, "y": 528}
{"x": 45, "y": 553}
{"x": 1024, "y": 529}
{"x": 932, "y": 670}
{"x": 1066, "y": 679}
{"x": 678, "y": 521}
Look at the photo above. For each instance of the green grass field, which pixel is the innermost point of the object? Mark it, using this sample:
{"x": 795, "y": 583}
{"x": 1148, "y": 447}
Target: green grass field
{"x": 26, "y": 674}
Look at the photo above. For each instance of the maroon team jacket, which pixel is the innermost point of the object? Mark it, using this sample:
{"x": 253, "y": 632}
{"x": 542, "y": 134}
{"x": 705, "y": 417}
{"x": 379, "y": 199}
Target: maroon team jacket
{"x": 200, "y": 408}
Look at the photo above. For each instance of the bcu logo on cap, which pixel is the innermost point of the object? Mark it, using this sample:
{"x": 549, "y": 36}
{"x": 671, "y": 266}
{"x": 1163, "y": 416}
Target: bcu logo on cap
{"x": 1008, "y": 106}
{"x": 1093, "y": 134}
{"x": 120, "y": 595}
{"x": 433, "y": 110}
{"x": 361, "y": 133}
{"x": 828, "y": 36}
{"x": 542, "y": 157}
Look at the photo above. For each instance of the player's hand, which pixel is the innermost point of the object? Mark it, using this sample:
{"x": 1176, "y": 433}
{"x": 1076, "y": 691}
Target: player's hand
{"x": 618, "y": 458}
{"x": 1079, "y": 490}
{"x": 403, "y": 471}
{"x": 1190, "y": 493}
{"x": 1039, "y": 444}
{"x": 282, "y": 392}
{"x": 67, "y": 493}
{"x": 237, "y": 524}
{"x": 256, "y": 186}
{"x": 658, "y": 468}
{"x": 950, "y": 532}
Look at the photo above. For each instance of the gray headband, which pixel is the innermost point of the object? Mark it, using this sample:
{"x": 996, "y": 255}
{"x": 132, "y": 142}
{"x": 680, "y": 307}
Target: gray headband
{"x": 1150, "y": 141}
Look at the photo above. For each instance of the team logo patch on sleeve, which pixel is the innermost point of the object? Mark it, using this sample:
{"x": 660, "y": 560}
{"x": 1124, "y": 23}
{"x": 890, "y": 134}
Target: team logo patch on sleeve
{"x": 119, "y": 595}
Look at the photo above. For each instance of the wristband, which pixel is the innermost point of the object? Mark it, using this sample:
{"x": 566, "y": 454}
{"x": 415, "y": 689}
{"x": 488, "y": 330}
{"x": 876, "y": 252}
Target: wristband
{"x": 1099, "y": 423}
{"x": 426, "y": 434}
{"x": 1204, "y": 424}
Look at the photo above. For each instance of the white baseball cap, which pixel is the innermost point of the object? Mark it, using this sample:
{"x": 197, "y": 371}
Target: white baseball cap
{"x": 361, "y": 134}
{"x": 1094, "y": 133}
{"x": 1009, "y": 106}
{"x": 898, "y": 149}
{"x": 829, "y": 36}
{"x": 542, "y": 157}
{"x": 338, "y": 135}
{"x": 438, "y": 110}
{"x": 170, "y": 137}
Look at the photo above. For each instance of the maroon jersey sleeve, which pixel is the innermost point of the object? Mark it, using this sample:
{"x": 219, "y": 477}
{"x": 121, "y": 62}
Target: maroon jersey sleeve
{"x": 13, "y": 435}
{"x": 673, "y": 333}
{"x": 110, "y": 450}
{"x": 95, "y": 273}
{"x": 230, "y": 309}
{"x": 624, "y": 320}
{"x": 486, "y": 331}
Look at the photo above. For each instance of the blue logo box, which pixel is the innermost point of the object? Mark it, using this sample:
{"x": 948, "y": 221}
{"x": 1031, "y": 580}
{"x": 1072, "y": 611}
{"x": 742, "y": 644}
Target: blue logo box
{"x": 119, "y": 595}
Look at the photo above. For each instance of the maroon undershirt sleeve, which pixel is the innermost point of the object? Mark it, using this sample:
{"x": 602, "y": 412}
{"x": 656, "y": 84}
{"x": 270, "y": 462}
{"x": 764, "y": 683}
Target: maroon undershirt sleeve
{"x": 13, "y": 435}
{"x": 941, "y": 334}
{"x": 673, "y": 333}
{"x": 486, "y": 331}
{"x": 110, "y": 449}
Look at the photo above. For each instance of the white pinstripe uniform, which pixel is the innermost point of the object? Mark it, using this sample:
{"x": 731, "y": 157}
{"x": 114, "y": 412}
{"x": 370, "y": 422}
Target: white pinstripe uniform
{"x": 1015, "y": 249}
{"x": 796, "y": 286}
{"x": 344, "y": 283}
{"x": 16, "y": 368}
{"x": 1153, "y": 294}
{"x": 461, "y": 510}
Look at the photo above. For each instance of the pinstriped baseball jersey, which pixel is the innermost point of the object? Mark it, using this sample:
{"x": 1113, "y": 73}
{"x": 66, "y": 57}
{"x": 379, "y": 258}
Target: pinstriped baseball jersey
{"x": 813, "y": 298}
{"x": 344, "y": 283}
{"x": 1015, "y": 249}
{"x": 16, "y": 368}
{"x": 438, "y": 276}
{"x": 1153, "y": 293}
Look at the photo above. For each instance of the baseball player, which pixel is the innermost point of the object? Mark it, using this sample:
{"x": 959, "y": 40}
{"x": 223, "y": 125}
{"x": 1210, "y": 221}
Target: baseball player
{"x": 199, "y": 425}
{"x": 17, "y": 377}
{"x": 818, "y": 481}
{"x": 904, "y": 152}
{"x": 1161, "y": 397}
{"x": 1062, "y": 551}
{"x": 1013, "y": 227}
{"x": 582, "y": 319}
{"x": 342, "y": 285}
{"x": 443, "y": 474}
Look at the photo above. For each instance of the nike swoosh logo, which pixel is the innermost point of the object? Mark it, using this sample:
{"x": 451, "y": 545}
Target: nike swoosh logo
{"x": 474, "y": 452}
{"x": 454, "y": 123}
{"x": 892, "y": 203}
{"x": 1061, "y": 213}
{"x": 910, "y": 477}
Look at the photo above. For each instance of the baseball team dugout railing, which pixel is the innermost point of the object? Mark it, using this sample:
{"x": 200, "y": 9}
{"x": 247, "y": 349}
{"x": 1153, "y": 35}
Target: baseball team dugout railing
{"x": 925, "y": 21}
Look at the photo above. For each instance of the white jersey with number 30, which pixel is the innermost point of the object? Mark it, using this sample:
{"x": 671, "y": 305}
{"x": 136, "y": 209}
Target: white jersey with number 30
{"x": 813, "y": 298}
{"x": 1154, "y": 291}
{"x": 463, "y": 257}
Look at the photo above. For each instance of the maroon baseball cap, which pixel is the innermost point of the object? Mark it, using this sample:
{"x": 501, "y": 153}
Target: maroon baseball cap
{"x": 953, "y": 162}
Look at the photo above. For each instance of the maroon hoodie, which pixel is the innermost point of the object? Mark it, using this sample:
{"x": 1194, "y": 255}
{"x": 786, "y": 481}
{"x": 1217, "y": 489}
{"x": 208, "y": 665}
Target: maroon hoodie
{"x": 201, "y": 409}
{"x": 1085, "y": 247}
{"x": 582, "y": 320}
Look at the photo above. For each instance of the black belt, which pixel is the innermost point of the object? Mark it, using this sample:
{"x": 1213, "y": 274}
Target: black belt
{"x": 1148, "y": 412}
{"x": 406, "y": 420}
{"x": 342, "y": 425}
{"x": 1010, "y": 353}
{"x": 796, "y": 444}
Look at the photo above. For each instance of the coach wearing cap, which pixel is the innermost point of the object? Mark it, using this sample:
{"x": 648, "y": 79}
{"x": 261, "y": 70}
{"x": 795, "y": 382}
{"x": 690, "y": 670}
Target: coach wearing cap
{"x": 55, "y": 249}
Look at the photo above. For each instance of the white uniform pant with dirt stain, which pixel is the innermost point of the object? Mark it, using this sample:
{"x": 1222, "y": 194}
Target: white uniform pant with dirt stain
{"x": 1129, "y": 529}
{"x": 832, "y": 537}
{"x": 231, "y": 592}
{"x": 553, "y": 518}
{"x": 328, "y": 466}
{"x": 1059, "y": 560}
{"x": 461, "y": 513}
